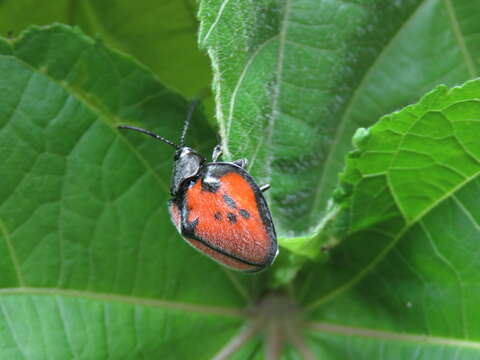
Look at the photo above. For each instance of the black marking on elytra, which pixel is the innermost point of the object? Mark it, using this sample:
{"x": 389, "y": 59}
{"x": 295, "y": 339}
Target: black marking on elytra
{"x": 188, "y": 227}
{"x": 244, "y": 213}
{"x": 187, "y": 230}
{"x": 217, "y": 170}
{"x": 232, "y": 218}
{"x": 218, "y": 216}
{"x": 210, "y": 186}
{"x": 230, "y": 202}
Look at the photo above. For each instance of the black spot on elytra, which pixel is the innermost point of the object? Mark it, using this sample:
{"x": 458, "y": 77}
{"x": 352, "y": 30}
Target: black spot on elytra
{"x": 210, "y": 186}
{"x": 232, "y": 218}
{"x": 188, "y": 228}
{"x": 244, "y": 213}
{"x": 230, "y": 202}
{"x": 218, "y": 216}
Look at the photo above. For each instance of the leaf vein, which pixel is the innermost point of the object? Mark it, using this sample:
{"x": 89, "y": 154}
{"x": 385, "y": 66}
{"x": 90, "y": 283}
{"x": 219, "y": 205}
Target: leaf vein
{"x": 346, "y": 114}
{"x": 126, "y": 299}
{"x": 240, "y": 81}
{"x": 390, "y": 335}
{"x": 216, "y": 21}
{"x": 276, "y": 88}
{"x": 467, "y": 213}
{"x": 454, "y": 271}
{"x": 12, "y": 331}
{"x": 12, "y": 253}
{"x": 361, "y": 274}
{"x": 460, "y": 39}
{"x": 102, "y": 115}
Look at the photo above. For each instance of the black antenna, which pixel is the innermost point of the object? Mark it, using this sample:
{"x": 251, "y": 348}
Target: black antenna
{"x": 158, "y": 137}
{"x": 191, "y": 110}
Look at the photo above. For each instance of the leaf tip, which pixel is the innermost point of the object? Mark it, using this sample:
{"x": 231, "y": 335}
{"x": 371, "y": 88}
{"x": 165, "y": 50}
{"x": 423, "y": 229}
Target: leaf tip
{"x": 360, "y": 138}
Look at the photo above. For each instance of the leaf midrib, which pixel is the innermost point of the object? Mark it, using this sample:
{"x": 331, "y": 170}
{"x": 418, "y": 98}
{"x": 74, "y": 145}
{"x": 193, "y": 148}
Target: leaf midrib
{"x": 346, "y": 114}
{"x": 457, "y": 32}
{"x": 389, "y": 335}
{"x": 276, "y": 90}
{"x": 130, "y": 300}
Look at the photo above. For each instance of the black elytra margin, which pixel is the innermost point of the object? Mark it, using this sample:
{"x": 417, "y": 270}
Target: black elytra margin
{"x": 219, "y": 169}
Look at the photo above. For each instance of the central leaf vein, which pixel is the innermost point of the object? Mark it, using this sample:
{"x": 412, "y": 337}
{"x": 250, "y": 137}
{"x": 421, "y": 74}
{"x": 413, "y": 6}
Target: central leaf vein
{"x": 276, "y": 89}
{"x": 347, "y": 115}
{"x": 390, "y": 335}
{"x": 131, "y": 300}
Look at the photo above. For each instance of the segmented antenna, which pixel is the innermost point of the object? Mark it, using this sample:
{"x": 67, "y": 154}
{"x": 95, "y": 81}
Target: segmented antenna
{"x": 191, "y": 110}
{"x": 143, "y": 131}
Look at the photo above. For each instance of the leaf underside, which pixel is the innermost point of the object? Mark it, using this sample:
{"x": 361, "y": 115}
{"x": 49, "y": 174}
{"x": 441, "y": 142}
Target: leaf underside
{"x": 300, "y": 78}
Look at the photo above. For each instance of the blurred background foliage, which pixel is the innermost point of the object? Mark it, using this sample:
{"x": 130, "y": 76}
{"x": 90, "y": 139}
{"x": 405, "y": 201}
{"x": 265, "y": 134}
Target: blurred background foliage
{"x": 160, "y": 34}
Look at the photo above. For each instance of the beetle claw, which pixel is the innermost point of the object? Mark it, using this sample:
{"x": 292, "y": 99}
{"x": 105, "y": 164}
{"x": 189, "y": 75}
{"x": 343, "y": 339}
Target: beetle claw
{"x": 241, "y": 162}
{"x": 217, "y": 152}
{"x": 265, "y": 187}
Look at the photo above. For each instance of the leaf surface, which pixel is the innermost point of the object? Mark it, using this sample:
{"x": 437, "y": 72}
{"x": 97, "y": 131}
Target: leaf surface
{"x": 406, "y": 276}
{"x": 89, "y": 255}
{"x": 302, "y": 76}
{"x": 161, "y": 35}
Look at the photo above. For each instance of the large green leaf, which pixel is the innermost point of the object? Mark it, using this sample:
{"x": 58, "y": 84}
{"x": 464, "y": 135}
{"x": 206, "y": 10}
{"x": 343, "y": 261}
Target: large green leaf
{"x": 407, "y": 276}
{"x": 90, "y": 262}
{"x": 302, "y": 76}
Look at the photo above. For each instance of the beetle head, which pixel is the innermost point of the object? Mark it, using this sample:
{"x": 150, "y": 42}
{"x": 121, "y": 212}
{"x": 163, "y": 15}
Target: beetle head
{"x": 187, "y": 165}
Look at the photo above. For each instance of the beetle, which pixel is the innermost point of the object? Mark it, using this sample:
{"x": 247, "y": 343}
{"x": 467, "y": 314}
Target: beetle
{"x": 218, "y": 208}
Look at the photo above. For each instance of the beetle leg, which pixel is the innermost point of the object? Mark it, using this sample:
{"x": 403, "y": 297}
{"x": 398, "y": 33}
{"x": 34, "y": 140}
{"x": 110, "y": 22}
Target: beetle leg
{"x": 265, "y": 187}
{"x": 217, "y": 152}
{"x": 241, "y": 162}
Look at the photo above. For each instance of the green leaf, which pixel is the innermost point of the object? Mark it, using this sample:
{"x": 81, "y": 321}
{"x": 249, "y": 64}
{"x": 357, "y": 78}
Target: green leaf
{"x": 161, "y": 35}
{"x": 16, "y": 16}
{"x": 91, "y": 265}
{"x": 416, "y": 157}
{"x": 302, "y": 76}
{"x": 408, "y": 271}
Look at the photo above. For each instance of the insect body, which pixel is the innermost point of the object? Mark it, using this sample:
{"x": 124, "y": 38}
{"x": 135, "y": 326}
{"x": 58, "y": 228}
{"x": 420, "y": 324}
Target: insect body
{"x": 219, "y": 209}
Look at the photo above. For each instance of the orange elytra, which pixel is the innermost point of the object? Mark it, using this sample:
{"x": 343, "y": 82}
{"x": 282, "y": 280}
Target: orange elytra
{"x": 218, "y": 208}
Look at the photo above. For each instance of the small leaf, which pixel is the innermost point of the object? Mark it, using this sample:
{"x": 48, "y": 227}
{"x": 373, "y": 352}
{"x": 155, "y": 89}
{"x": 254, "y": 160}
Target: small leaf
{"x": 414, "y": 159}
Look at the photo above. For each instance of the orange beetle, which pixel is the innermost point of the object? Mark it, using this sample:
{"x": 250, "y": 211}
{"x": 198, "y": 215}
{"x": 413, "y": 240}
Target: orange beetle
{"x": 219, "y": 209}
